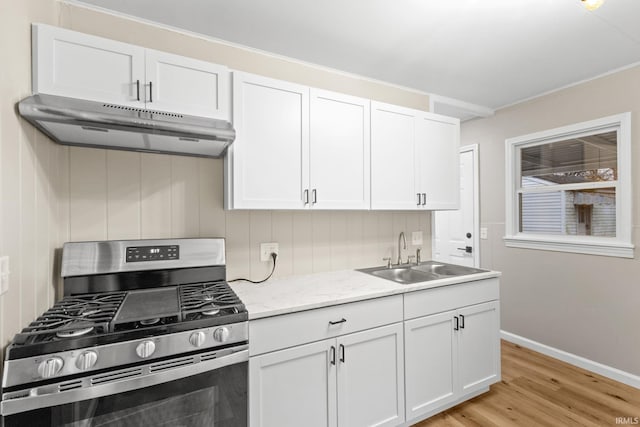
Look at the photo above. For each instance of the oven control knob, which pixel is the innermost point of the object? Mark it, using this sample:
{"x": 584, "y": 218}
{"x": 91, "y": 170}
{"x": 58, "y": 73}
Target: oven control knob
{"x": 50, "y": 367}
{"x": 197, "y": 339}
{"x": 145, "y": 349}
{"x": 221, "y": 334}
{"x": 86, "y": 360}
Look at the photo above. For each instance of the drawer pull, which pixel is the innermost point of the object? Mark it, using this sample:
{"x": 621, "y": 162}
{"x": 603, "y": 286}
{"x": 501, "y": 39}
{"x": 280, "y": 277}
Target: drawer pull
{"x": 462, "y": 321}
{"x": 342, "y": 353}
{"x": 333, "y": 355}
{"x": 343, "y": 320}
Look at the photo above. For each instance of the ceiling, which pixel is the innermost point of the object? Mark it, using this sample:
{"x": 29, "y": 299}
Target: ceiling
{"x": 489, "y": 53}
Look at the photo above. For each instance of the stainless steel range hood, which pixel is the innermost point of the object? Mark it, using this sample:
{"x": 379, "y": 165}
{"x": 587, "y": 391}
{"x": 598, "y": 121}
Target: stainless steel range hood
{"x": 73, "y": 121}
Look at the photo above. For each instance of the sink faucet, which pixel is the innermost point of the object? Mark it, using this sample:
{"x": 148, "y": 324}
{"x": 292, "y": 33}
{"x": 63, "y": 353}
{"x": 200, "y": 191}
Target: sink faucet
{"x": 404, "y": 246}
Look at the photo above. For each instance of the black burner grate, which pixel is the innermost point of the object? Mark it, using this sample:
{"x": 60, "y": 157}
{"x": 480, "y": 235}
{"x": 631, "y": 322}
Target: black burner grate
{"x": 74, "y": 313}
{"x": 208, "y": 299}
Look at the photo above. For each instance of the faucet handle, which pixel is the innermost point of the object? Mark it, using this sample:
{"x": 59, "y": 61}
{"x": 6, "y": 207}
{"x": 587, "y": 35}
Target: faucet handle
{"x": 388, "y": 259}
{"x": 418, "y": 256}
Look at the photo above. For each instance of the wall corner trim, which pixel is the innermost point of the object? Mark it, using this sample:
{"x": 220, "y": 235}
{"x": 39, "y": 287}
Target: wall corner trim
{"x": 572, "y": 359}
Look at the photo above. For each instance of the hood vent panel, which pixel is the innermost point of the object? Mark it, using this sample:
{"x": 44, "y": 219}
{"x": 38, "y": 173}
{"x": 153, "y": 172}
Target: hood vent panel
{"x": 79, "y": 122}
{"x": 142, "y": 110}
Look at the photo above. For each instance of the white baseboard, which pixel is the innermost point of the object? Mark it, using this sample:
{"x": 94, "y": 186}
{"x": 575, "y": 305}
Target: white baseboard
{"x": 572, "y": 359}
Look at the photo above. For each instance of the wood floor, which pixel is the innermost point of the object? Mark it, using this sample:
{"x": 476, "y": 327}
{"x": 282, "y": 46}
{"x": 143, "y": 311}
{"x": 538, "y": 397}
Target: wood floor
{"x": 537, "y": 390}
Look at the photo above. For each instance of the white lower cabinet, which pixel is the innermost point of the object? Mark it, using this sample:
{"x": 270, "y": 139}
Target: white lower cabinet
{"x": 479, "y": 346}
{"x": 430, "y": 352}
{"x": 390, "y": 361}
{"x": 450, "y": 355}
{"x": 350, "y": 381}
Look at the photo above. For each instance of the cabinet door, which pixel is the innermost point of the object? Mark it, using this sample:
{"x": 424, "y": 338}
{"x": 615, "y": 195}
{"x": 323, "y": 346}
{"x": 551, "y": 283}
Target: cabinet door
{"x": 186, "y": 85}
{"x": 430, "y": 352}
{"x": 371, "y": 377}
{"x": 392, "y": 157}
{"x": 438, "y": 161}
{"x": 294, "y": 387}
{"x": 339, "y": 151}
{"x": 268, "y": 160}
{"x": 76, "y": 65}
{"x": 479, "y": 346}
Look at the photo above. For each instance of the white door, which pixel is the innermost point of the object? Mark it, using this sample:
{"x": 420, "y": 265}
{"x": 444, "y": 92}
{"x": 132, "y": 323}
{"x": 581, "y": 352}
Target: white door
{"x": 186, "y": 85}
{"x": 268, "y": 160}
{"x": 479, "y": 346}
{"x": 76, "y": 65}
{"x": 339, "y": 151}
{"x": 430, "y": 352}
{"x": 437, "y": 159}
{"x": 456, "y": 232}
{"x": 392, "y": 157}
{"x": 292, "y": 387}
{"x": 371, "y": 378}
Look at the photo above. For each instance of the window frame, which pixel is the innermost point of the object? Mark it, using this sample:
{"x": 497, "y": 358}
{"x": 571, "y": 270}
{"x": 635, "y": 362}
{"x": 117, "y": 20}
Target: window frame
{"x": 619, "y": 246}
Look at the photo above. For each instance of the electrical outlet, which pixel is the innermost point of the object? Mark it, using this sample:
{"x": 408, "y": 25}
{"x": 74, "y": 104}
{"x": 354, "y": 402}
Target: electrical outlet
{"x": 483, "y": 233}
{"x": 266, "y": 249}
{"x": 416, "y": 238}
{"x": 4, "y": 274}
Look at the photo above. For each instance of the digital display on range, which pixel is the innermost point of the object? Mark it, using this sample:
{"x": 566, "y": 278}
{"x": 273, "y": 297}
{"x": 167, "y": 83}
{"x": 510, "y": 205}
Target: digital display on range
{"x": 153, "y": 253}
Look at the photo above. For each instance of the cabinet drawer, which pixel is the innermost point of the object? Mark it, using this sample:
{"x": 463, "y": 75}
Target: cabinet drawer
{"x": 287, "y": 330}
{"x": 437, "y": 300}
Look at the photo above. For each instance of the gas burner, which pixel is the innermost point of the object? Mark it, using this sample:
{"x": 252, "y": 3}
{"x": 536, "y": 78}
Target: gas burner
{"x": 211, "y": 312}
{"x": 149, "y": 322}
{"x": 71, "y": 333}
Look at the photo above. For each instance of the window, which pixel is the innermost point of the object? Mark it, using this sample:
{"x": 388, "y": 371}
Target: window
{"x": 569, "y": 189}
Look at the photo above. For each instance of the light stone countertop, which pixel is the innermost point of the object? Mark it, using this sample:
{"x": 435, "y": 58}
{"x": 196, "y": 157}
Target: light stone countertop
{"x": 298, "y": 293}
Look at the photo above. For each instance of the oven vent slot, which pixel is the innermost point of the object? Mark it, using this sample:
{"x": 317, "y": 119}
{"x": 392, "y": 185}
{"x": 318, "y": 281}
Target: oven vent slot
{"x": 114, "y": 376}
{"x": 171, "y": 364}
{"x": 16, "y": 395}
{"x": 69, "y": 385}
{"x": 209, "y": 356}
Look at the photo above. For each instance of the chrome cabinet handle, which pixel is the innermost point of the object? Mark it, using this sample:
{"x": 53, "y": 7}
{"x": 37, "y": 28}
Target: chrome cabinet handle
{"x": 150, "y": 91}
{"x": 342, "y": 353}
{"x": 424, "y": 199}
{"x": 343, "y": 320}
{"x": 138, "y": 90}
{"x": 462, "y": 321}
{"x": 457, "y": 323}
{"x": 314, "y": 197}
{"x": 333, "y": 355}
{"x": 306, "y": 197}
{"x": 418, "y": 194}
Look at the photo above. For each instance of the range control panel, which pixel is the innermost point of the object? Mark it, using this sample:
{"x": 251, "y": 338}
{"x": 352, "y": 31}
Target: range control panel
{"x": 153, "y": 253}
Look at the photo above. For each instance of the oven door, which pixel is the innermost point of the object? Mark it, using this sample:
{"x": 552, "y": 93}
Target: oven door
{"x": 208, "y": 389}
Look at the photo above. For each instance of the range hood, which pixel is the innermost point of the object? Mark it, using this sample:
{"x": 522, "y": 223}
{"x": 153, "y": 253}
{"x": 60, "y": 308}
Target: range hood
{"x": 80, "y": 122}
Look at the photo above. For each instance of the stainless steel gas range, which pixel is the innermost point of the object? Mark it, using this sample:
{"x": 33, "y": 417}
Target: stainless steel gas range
{"x": 148, "y": 333}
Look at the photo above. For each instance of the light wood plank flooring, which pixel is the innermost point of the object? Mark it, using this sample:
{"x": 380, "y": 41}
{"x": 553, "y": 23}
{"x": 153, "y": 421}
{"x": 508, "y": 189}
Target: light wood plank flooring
{"x": 537, "y": 390}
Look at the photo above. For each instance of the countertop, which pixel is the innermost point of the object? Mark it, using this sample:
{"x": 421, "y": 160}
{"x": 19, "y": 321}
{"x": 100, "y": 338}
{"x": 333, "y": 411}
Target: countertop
{"x": 297, "y": 293}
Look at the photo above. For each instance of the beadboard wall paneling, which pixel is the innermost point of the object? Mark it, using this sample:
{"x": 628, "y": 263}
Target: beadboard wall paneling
{"x": 126, "y": 195}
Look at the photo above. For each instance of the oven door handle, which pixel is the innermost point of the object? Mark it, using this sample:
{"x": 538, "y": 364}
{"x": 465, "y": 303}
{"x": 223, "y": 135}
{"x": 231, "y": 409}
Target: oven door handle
{"x": 120, "y": 381}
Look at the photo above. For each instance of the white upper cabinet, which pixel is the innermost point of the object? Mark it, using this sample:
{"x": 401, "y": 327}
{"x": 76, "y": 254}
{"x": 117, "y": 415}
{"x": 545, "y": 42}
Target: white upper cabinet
{"x": 437, "y": 161}
{"x": 77, "y": 65}
{"x": 393, "y": 136}
{"x": 296, "y": 147}
{"x": 414, "y": 159}
{"x": 339, "y": 151}
{"x": 186, "y": 85}
{"x": 266, "y": 166}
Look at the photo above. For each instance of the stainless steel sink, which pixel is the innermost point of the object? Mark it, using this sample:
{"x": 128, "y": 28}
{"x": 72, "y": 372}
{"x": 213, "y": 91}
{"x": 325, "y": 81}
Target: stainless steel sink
{"x": 423, "y": 272}
{"x": 442, "y": 269}
{"x": 403, "y": 275}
